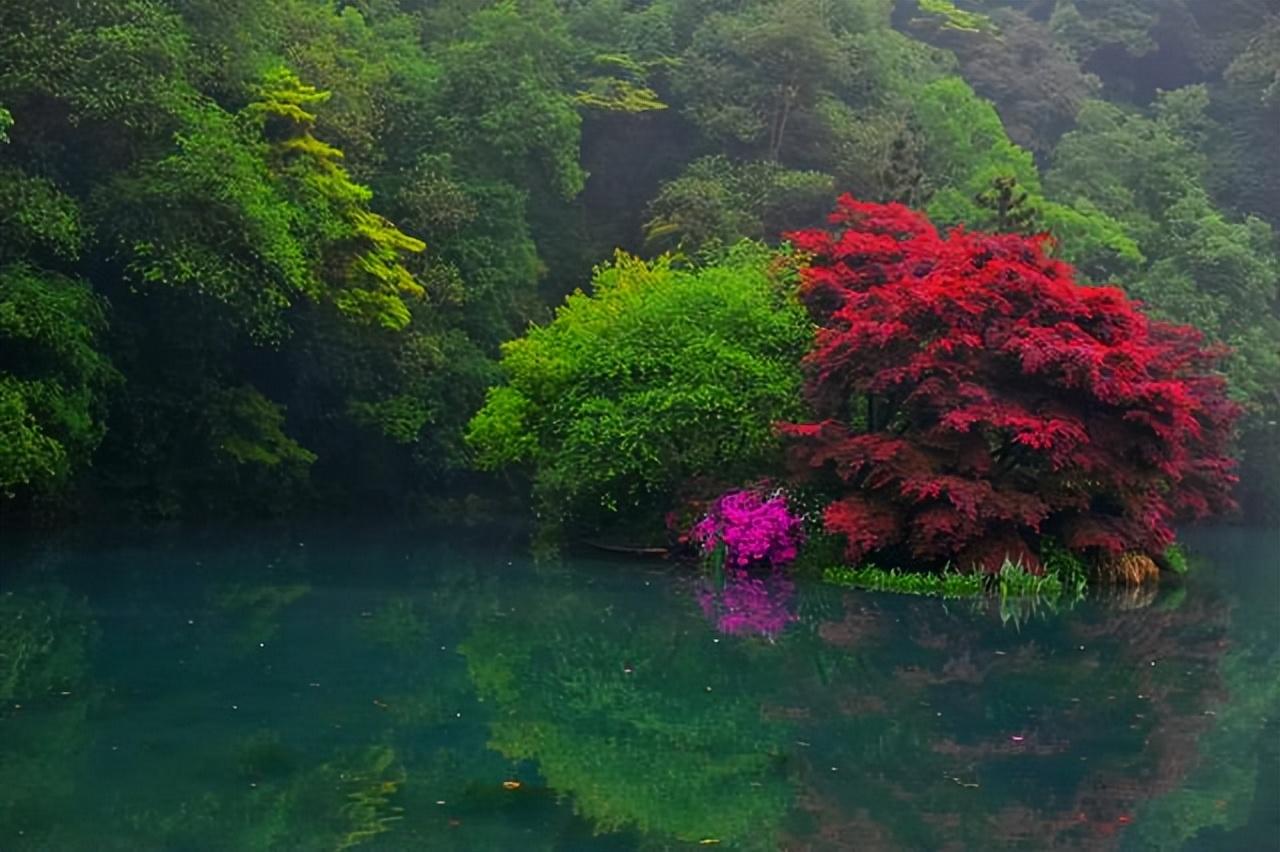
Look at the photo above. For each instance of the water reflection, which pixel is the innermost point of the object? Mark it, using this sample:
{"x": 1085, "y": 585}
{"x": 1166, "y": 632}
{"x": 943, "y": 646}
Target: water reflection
{"x": 46, "y": 695}
{"x": 257, "y": 694}
{"x": 939, "y": 731}
{"x": 739, "y": 601}
{"x": 636, "y": 713}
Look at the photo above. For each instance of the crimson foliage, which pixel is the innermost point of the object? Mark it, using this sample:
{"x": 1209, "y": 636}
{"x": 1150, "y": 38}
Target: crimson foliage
{"x": 973, "y": 398}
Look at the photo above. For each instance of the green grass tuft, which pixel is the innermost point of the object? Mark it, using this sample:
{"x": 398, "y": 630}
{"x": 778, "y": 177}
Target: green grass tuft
{"x": 1176, "y": 559}
{"x": 1064, "y": 579}
{"x": 948, "y": 584}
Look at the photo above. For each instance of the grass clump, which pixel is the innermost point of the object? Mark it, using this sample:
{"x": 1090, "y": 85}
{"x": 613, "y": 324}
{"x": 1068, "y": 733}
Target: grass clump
{"x": 1065, "y": 577}
{"x": 1176, "y": 560}
{"x": 948, "y": 584}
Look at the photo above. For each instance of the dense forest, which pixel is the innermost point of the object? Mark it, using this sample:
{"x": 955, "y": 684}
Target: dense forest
{"x": 259, "y": 258}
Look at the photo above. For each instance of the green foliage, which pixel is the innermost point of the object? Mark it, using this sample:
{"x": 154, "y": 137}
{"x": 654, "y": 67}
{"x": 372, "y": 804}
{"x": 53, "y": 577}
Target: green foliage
{"x": 891, "y": 66}
{"x": 1258, "y": 65}
{"x": 1176, "y": 560}
{"x": 1130, "y": 166}
{"x": 248, "y": 429}
{"x": 1223, "y": 276}
{"x": 1069, "y": 568}
{"x": 208, "y": 217}
{"x": 1036, "y": 84}
{"x": 1063, "y": 578}
{"x": 660, "y": 376}
{"x": 619, "y": 85}
{"x": 967, "y": 146}
{"x": 715, "y": 202}
{"x": 36, "y": 218}
{"x": 948, "y": 584}
{"x": 484, "y": 261}
{"x": 1087, "y": 26}
{"x": 1243, "y": 166}
{"x": 956, "y": 19}
{"x": 117, "y": 64}
{"x": 748, "y": 80}
{"x": 967, "y": 154}
{"x": 53, "y": 378}
{"x": 501, "y": 96}
{"x": 1014, "y": 581}
{"x": 1100, "y": 247}
{"x": 366, "y": 248}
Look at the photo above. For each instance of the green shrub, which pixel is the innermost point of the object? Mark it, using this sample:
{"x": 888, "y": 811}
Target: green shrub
{"x": 661, "y": 376}
{"x": 1176, "y": 559}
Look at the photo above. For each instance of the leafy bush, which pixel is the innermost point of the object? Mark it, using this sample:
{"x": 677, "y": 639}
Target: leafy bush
{"x": 662, "y": 375}
{"x": 746, "y": 528}
{"x": 972, "y": 397}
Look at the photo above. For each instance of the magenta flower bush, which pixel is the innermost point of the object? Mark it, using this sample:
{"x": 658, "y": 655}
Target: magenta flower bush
{"x": 751, "y": 529}
{"x": 746, "y": 604}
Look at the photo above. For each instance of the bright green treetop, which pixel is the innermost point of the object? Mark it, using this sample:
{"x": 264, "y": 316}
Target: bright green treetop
{"x": 967, "y": 152}
{"x": 366, "y": 247}
{"x": 659, "y": 376}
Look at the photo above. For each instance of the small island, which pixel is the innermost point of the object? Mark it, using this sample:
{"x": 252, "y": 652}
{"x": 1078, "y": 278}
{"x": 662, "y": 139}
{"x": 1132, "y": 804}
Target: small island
{"x": 954, "y": 404}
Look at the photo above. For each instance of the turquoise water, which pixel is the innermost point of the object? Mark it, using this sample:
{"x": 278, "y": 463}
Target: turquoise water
{"x": 377, "y": 689}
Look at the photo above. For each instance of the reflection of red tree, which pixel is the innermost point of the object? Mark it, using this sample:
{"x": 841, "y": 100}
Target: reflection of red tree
{"x": 1025, "y": 745}
{"x": 1109, "y": 800}
{"x": 859, "y": 625}
{"x": 855, "y": 830}
{"x": 936, "y": 780}
{"x": 788, "y": 714}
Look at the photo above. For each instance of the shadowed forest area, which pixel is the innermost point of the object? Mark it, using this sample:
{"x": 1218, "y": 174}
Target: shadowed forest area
{"x": 258, "y": 258}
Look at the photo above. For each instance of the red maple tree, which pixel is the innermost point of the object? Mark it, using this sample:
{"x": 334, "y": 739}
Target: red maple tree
{"x": 974, "y": 397}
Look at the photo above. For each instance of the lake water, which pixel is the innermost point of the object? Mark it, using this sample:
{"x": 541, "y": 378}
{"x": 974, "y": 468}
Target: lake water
{"x": 377, "y": 689}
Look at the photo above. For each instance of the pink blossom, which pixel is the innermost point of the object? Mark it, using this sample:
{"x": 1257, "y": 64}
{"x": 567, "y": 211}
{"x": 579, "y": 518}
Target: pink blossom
{"x": 751, "y": 529}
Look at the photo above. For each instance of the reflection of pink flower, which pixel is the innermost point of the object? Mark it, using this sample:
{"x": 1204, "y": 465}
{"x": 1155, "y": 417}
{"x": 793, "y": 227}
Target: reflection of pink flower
{"x": 751, "y": 529}
{"x": 746, "y": 604}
